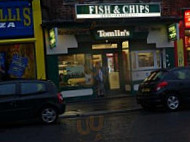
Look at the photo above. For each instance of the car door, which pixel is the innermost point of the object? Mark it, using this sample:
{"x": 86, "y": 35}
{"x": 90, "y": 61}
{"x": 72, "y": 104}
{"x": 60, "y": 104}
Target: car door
{"x": 7, "y": 101}
{"x": 186, "y": 84}
{"x": 31, "y": 97}
{"x": 183, "y": 79}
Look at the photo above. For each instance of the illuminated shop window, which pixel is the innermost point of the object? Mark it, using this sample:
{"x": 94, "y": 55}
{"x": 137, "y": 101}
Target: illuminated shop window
{"x": 104, "y": 46}
{"x": 146, "y": 59}
{"x": 125, "y": 44}
{"x": 75, "y": 70}
{"x": 18, "y": 61}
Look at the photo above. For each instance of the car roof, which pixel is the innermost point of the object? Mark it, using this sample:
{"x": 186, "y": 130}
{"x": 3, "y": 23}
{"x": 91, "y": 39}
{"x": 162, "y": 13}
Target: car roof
{"x": 178, "y": 68}
{"x": 170, "y": 69}
{"x": 158, "y": 70}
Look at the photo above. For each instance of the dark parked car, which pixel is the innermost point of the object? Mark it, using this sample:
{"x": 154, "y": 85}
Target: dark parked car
{"x": 170, "y": 88}
{"x": 28, "y": 99}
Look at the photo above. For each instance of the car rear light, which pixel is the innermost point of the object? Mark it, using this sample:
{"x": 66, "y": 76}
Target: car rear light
{"x": 161, "y": 85}
{"x": 60, "y": 97}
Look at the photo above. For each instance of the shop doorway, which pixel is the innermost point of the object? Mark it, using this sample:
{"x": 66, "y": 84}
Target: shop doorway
{"x": 110, "y": 67}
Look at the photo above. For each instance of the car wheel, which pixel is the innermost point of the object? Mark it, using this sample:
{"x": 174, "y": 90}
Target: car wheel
{"x": 49, "y": 115}
{"x": 172, "y": 102}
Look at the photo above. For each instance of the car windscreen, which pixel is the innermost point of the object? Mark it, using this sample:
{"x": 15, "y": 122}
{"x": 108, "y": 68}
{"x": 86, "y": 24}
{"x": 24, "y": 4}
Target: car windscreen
{"x": 156, "y": 76}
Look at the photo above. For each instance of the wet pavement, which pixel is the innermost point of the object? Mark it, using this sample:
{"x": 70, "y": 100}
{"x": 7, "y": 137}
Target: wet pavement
{"x": 101, "y": 106}
{"x": 139, "y": 126}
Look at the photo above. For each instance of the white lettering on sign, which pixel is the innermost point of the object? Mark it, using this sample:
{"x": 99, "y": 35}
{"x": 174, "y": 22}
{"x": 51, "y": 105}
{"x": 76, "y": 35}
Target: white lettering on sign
{"x": 106, "y": 9}
{"x": 11, "y": 25}
{"x": 115, "y": 33}
{"x": 117, "y": 11}
{"x": 91, "y": 9}
{"x": 4, "y": 25}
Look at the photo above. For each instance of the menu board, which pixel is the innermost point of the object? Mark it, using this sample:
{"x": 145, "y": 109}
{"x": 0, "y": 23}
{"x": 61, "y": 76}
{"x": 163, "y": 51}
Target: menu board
{"x": 18, "y": 65}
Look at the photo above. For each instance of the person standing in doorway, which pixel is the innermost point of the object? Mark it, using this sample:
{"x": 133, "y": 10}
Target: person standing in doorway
{"x": 88, "y": 76}
{"x": 99, "y": 79}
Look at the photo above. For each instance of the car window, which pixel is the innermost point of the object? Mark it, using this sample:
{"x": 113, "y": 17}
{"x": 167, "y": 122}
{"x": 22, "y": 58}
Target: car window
{"x": 31, "y": 88}
{"x": 170, "y": 76}
{"x": 187, "y": 74}
{"x": 182, "y": 74}
{"x": 157, "y": 75}
{"x": 7, "y": 89}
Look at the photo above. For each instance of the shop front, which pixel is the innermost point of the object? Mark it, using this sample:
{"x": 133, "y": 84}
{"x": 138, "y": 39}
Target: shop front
{"x": 21, "y": 54}
{"x": 127, "y": 48}
{"x": 187, "y": 36}
{"x": 78, "y": 68}
{"x": 187, "y": 47}
{"x": 182, "y": 40}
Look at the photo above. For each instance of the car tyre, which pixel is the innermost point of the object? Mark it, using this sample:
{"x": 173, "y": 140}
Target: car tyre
{"x": 48, "y": 115}
{"x": 172, "y": 102}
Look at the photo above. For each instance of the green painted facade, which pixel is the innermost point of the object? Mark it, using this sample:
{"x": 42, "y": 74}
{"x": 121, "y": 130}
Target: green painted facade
{"x": 52, "y": 68}
{"x": 170, "y": 58}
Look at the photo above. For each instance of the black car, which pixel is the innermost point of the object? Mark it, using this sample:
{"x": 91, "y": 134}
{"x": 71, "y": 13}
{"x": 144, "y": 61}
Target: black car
{"x": 28, "y": 99}
{"x": 170, "y": 88}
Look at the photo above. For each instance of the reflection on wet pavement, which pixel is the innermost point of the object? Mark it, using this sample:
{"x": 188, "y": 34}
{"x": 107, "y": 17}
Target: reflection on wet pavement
{"x": 102, "y": 105}
{"x": 159, "y": 126}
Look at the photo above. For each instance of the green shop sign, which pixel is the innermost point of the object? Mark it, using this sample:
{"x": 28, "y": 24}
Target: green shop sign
{"x": 117, "y": 11}
{"x": 52, "y": 38}
{"x": 172, "y": 32}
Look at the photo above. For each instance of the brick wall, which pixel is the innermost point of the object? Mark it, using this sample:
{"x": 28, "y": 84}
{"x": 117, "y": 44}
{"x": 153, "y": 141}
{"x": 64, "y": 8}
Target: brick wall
{"x": 64, "y": 10}
{"x": 173, "y": 7}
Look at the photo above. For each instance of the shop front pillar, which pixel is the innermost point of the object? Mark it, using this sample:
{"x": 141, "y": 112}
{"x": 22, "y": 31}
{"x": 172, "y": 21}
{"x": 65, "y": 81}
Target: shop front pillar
{"x": 121, "y": 69}
{"x": 39, "y": 44}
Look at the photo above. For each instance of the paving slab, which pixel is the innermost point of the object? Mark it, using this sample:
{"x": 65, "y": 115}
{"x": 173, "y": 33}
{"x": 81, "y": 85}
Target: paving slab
{"x": 101, "y": 106}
